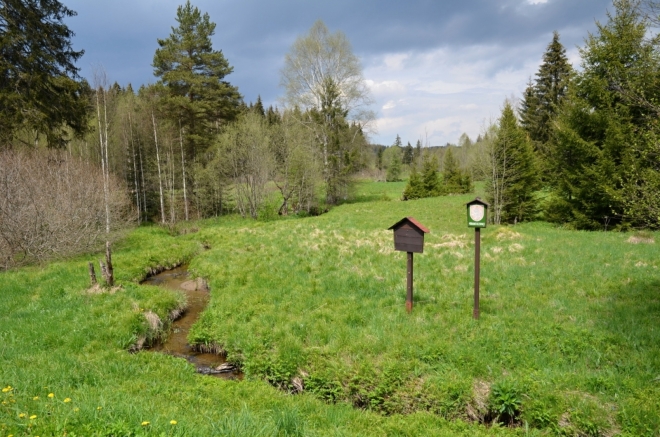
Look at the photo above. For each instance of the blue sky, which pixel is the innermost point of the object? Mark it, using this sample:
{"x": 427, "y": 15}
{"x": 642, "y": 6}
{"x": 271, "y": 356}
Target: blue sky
{"x": 436, "y": 69}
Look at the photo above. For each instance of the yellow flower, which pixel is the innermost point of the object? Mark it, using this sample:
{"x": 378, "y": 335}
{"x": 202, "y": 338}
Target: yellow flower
{"x": 76, "y": 409}
{"x": 36, "y": 398}
{"x": 67, "y": 400}
{"x": 51, "y": 395}
{"x": 98, "y": 408}
{"x": 172, "y": 422}
{"x": 34, "y": 416}
{"x": 22, "y": 415}
{"x": 6, "y": 389}
{"x": 145, "y": 423}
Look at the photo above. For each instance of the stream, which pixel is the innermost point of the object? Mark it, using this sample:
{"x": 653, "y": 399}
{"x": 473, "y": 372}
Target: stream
{"x": 176, "y": 343}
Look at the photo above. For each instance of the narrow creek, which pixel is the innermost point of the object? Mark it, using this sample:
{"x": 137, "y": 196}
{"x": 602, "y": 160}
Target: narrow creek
{"x": 176, "y": 343}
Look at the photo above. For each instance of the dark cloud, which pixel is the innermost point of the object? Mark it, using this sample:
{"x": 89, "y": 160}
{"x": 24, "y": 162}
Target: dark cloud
{"x": 255, "y": 35}
{"x": 122, "y": 34}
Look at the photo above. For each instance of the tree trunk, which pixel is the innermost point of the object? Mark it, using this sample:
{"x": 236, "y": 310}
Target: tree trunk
{"x": 160, "y": 179}
{"x": 183, "y": 167}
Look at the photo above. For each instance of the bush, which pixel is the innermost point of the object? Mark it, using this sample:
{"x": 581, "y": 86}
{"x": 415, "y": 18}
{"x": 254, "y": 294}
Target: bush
{"x": 53, "y": 205}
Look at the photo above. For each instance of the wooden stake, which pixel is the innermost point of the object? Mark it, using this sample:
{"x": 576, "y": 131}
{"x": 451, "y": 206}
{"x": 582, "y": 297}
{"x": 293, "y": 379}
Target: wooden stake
{"x": 92, "y": 273}
{"x": 108, "y": 260}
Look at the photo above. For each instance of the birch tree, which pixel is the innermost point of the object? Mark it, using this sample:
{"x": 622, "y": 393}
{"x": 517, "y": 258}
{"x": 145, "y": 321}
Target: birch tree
{"x": 323, "y": 78}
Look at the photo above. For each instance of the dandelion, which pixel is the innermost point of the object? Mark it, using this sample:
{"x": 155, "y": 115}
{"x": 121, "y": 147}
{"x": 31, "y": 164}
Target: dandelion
{"x": 145, "y": 423}
{"x": 6, "y": 389}
{"x": 34, "y": 416}
{"x": 67, "y": 400}
{"x": 75, "y": 410}
{"x": 172, "y": 422}
{"x": 36, "y": 398}
{"x": 98, "y": 408}
{"x": 51, "y": 395}
{"x": 22, "y": 416}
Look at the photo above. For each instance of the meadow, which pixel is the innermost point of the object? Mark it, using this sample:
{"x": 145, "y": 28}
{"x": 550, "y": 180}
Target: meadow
{"x": 567, "y": 342}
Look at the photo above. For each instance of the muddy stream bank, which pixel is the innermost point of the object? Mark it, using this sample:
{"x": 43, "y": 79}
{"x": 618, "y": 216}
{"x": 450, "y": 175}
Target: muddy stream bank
{"x": 176, "y": 342}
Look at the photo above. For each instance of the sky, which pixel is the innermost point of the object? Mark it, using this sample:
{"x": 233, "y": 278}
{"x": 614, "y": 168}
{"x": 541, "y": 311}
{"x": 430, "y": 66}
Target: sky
{"x": 436, "y": 69}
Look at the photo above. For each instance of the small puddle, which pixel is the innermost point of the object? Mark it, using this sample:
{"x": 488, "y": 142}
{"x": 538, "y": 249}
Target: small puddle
{"x": 176, "y": 343}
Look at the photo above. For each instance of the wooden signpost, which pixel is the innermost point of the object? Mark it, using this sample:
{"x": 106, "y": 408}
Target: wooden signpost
{"x": 409, "y": 237}
{"x": 477, "y": 217}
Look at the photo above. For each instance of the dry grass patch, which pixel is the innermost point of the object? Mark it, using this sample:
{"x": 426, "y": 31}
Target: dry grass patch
{"x": 503, "y": 234}
{"x": 636, "y": 239}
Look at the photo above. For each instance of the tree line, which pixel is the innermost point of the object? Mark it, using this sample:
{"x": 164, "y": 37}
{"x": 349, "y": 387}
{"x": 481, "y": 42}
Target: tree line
{"x": 580, "y": 149}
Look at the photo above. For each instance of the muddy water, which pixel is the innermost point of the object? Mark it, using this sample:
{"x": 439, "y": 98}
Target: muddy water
{"x": 176, "y": 342}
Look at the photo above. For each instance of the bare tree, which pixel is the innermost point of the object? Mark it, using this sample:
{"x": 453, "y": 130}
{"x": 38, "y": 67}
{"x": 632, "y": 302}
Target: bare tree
{"x": 100, "y": 84}
{"x": 246, "y": 147}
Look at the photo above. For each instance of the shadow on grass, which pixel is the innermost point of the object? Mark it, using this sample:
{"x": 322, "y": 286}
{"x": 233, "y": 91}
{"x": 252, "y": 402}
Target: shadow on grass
{"x": 632, "y": 313}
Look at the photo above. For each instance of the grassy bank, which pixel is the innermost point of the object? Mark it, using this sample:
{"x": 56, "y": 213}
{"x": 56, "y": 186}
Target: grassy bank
{"x": 567, "y": 342}
{"x": 65, "y": 369}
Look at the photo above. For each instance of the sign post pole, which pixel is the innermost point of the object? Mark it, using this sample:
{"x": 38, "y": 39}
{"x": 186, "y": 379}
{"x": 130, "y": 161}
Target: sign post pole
{"x": 477, "y": 261}
{"x": 409, "y": 295}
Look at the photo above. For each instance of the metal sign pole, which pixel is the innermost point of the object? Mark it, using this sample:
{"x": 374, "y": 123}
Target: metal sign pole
{"x": 409, "y": 295}
{"x": 477, "y": 258}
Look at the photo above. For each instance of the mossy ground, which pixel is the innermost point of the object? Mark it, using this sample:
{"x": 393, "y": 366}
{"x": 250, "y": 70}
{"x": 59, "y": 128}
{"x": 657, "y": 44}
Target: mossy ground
{"x": 567, "y": 342}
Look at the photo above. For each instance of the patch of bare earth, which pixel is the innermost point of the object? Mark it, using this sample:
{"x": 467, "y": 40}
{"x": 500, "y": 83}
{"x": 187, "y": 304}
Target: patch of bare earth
{"x": 477, "y": 408}
{"x": 99, "y": 289}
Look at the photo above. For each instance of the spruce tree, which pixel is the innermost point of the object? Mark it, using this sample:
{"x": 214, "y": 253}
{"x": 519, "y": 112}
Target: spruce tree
{"x": 39, "y": 85}
{"x": 418, "y": 152}
{"x": 454, "y": 179}
{"x": 414, "y": 188}
{"x": 394, "y": 169}
{"x": 430, "y": 180}
{"x": 514, "y": 177}
{"x": 542, "y": 98}
{"x": 408, "y": 154}
{"x": 606, "y": 153}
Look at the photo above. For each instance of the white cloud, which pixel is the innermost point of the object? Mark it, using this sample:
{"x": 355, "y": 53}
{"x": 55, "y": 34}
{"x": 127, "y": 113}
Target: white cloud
{"x": 389, "y": 105}
{"x": 441, "y": 93}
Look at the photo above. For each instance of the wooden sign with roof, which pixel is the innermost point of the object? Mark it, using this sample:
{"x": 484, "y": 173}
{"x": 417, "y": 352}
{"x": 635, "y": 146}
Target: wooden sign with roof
{"x": 409, "y": 235}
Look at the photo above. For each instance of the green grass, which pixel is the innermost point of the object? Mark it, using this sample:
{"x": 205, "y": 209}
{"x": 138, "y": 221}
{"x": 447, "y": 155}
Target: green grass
{"x": 567, "y": 342}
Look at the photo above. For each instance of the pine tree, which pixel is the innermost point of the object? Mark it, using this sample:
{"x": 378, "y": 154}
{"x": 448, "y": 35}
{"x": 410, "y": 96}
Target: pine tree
{"x": 514, "y": 177}
{"x": 192, "y": 74}
{"x": 39, "y": 85}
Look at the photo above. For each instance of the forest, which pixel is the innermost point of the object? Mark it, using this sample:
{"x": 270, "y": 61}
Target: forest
{"x": 579, "y": 149}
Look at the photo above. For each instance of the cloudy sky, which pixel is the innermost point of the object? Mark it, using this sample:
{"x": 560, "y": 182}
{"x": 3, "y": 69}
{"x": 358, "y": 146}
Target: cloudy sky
{"x": 436, "y": 68}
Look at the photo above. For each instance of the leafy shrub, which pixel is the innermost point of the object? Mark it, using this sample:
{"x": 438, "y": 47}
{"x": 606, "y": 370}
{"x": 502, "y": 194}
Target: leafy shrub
{"x": 505, "y": 403}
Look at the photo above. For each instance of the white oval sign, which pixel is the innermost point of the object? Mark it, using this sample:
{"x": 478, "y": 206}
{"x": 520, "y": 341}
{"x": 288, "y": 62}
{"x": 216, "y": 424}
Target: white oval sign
{"x": 477, "y": 212}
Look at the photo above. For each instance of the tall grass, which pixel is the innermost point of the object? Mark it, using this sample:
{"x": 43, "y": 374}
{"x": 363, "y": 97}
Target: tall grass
{"x": 567, "y": 342}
